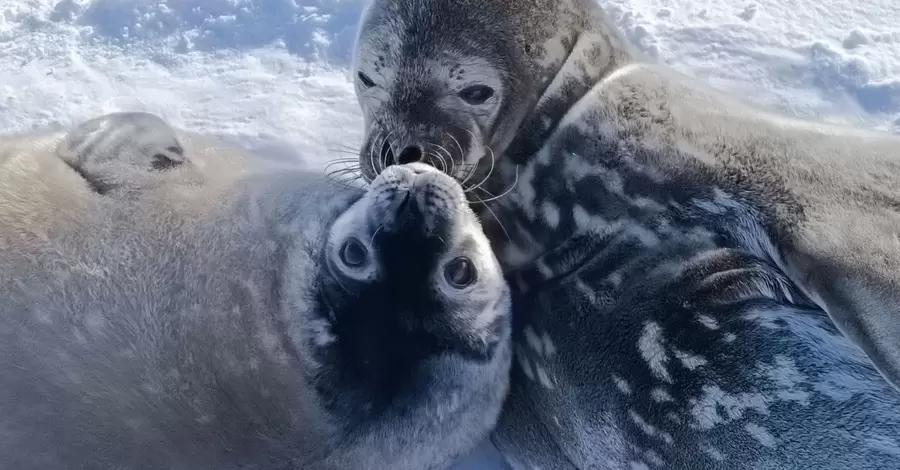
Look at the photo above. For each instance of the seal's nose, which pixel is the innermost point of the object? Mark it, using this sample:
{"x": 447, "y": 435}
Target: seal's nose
{"x": 410, "y": 154}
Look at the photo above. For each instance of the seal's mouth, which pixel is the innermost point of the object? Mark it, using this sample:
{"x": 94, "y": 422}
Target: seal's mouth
{"x": 407, "y": 213}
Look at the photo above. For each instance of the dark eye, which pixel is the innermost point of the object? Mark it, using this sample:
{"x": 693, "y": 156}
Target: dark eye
{"x": 353, "y": 253}
{"x": 460, "y": 272}
{"x": 476, "y": 94}
{"x": 365, "y": 80}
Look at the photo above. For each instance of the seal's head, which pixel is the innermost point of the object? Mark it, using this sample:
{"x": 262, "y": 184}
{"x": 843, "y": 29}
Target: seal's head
{"x": 410, "y": 259}
{"x": 458, "y": 83}
{"x": 411, "y": 307}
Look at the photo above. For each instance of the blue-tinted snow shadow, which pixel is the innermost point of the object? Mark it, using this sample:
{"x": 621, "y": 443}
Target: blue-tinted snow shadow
{"x": 320, "y": 30}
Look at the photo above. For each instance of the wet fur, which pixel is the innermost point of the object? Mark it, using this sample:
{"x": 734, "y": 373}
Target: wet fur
{"x": 175, "y": 319}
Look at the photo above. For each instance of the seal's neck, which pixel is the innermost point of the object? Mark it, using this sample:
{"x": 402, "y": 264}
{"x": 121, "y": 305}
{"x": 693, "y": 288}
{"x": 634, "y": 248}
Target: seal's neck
{"x": 587, "y": 48}
{"x": 582, "y": 182}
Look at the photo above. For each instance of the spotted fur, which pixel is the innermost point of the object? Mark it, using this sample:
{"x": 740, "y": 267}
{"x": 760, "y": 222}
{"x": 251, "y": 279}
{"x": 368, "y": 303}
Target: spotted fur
{"x": 209, "y": 322}
{"x": 686, "y": 355}
{"x": 585, "y": 137}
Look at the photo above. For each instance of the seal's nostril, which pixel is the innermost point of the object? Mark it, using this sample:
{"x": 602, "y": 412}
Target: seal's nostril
{"x": 387, "y": 154}
{"x": 410, "y": 154}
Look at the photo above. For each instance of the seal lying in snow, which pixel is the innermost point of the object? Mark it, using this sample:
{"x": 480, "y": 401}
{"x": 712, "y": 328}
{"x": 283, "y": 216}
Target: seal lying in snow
{"x": 192, "y": 315}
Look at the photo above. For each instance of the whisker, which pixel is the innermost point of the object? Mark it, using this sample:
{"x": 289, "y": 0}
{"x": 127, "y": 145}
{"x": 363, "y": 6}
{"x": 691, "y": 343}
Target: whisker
{"x": 372, "y": 241}
{"x": 372, "y": 152}
{"x": 345, "y": 172}
{"x": 345, "y": 152}
{"x": 440, "y": 157}
{"x": 494, "y": 215}
{"x": 382, "y": 158}
{"x": 462, "y": 153}
{"x": 449, "y": 154}
{"x": 516, "y": 181}
{"x": 346, "y": 184}
{"x": 490, "y": 171}
{"x": 345, "y": 147}
{"x": 343, "y": 161}
{"x": 463, "y": 182}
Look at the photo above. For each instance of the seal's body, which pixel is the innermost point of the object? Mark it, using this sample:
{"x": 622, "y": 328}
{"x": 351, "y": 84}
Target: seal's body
{"x": 658, "y": 344}
{"x": 557, "y": 130}
{"x": 240, "y": 319}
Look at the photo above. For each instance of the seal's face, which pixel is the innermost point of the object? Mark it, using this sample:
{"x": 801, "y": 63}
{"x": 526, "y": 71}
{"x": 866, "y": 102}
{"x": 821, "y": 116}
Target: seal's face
{"x": 432, "y": 93}
{"x": 408, "y": 274}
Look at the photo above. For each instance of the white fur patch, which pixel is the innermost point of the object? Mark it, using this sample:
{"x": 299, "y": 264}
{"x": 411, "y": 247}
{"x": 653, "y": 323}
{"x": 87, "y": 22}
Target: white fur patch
{"x": 621, "y": 384}
{"x": 651, "y": 347}
{"x": 688, "y": 360}
{"x": 660, "y": 395}
{"x": 705, "y": 410}
{"x": 646, "y": 427}
{"x": 708, "y": 321}
{"x": 551, "y": 214}
{"x": 760, "y": 434}
{"x": 543, "y": 377}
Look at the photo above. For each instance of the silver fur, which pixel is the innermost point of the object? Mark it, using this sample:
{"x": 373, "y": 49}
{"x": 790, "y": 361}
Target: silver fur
{"x": 205, "y": 321}
{"x": 584, "y": 137}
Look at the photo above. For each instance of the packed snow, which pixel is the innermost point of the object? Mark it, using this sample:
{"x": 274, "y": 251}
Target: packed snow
{"x": 272, "y": 74}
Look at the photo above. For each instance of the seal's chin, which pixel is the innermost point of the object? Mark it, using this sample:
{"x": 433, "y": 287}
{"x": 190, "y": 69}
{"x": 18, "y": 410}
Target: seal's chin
{"x": 415, "y": 196}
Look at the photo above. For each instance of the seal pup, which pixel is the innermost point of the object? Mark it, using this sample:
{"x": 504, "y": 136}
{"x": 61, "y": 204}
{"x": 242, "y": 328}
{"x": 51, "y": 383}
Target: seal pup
{"x": 494, "y": 92}
{"x": 271, "y": 320}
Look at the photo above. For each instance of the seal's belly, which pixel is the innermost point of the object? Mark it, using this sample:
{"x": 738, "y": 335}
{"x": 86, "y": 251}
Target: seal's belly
{"x": 716, "y": 363}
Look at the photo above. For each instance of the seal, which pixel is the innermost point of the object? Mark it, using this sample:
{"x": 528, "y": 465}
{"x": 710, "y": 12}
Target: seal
{"x": 558, "y": 129}
{"x": 685, "y": 355}
{"x": 267, "y": 320}
{"x": 488, "y": 96}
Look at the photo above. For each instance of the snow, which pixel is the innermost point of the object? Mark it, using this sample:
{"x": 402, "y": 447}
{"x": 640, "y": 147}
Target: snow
{"x": 272, "y": 75}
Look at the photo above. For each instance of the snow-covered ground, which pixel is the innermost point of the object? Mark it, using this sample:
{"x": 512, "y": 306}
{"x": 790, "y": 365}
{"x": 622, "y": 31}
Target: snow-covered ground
{"x": 272, "y": 75}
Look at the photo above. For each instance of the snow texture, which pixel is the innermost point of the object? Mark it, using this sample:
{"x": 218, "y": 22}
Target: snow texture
{"x": 271, "y": 75}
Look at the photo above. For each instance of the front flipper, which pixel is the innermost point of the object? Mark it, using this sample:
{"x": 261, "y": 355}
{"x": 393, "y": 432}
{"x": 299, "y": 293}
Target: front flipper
{"x": 121, "y": 149}
{"x": 848, "y": 262}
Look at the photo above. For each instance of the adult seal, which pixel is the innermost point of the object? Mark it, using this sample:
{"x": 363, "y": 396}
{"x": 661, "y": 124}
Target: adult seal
{"x": 562, "y": 134}
{"x": 237, "y": 319}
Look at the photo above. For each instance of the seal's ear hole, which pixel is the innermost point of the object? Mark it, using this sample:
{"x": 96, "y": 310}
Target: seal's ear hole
{"x": 460, "y": 272}
{"x": 528, "y": 48}
{"x": 476, "y": 94}
{"x": 365, "y": 80}
{"x": 162, "y": 162}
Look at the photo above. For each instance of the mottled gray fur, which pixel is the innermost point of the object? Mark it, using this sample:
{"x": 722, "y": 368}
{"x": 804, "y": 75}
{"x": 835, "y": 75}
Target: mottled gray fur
{"x": 584, "y": 135}
{"x": 191, "y": 324}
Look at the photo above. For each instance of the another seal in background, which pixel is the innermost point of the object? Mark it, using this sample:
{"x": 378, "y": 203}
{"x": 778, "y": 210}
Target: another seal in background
{"x": 499, "y": 95}
{"x": 269, "y": 320}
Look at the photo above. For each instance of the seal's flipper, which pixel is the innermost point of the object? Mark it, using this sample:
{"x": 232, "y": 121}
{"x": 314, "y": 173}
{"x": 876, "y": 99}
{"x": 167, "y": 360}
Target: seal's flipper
{"x": 848, "y": 262}
{"x": 112, "y": 150}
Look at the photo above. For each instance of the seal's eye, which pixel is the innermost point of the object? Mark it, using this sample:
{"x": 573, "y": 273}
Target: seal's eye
{"x": 476, "y": 94}
{"x": 365, "y": 80}
{"x": 353, "y": 253}
{"x": 460, "y": 272}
